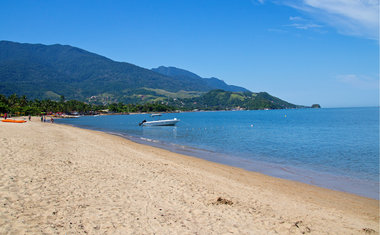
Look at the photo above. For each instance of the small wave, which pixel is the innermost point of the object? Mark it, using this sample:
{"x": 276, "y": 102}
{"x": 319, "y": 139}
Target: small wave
{"x": 149, "y": 140}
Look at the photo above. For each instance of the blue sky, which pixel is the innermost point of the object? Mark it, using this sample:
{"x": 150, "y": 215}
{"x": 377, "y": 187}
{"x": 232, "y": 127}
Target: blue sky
{"x": 302, "y": 51}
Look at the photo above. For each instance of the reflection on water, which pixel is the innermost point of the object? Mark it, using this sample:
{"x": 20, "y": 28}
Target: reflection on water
{"x": 158, "y": 131}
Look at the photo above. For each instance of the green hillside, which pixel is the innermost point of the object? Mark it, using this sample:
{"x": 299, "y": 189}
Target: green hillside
{"x": 222, "y": 100}
{"x": 184, "y": 75}
{"x": 40, "y": 71}
{"x": 49, "y": 72}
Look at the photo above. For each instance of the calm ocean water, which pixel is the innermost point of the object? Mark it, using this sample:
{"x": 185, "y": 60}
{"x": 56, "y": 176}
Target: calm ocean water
{"x": 333, "y": 148}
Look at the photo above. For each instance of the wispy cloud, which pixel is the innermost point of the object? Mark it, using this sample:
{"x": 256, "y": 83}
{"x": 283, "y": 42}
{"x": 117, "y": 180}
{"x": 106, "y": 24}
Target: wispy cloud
{"x": 301, "y": 23}
{"x": 298, "y": 22}
{"x": 349, "y": 17}
{"x": 359, "y": 81}
{"x": 295, "y": 18}
{"x": 304, "y": 26}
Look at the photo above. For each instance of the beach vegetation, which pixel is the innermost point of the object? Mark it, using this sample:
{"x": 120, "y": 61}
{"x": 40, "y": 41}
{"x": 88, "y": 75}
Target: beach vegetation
{"x": 20, "y": 106}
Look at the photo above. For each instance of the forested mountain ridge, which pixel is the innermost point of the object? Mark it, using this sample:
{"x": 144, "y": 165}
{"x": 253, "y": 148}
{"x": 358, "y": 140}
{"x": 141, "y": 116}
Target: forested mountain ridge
{"x": 228, "y": 100}
{"x": 38, "y": 70}
{"x": 184, "y": 75}
{"x": 51, "y": 71}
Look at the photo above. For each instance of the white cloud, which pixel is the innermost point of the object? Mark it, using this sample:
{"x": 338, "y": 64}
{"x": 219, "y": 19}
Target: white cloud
{"x": 301, "y": 23}
{"x": 295, "y": 18}
{"x": 349, "y": 17}
{"x": 359, "y": 81}
{"x": 304, "y": 26}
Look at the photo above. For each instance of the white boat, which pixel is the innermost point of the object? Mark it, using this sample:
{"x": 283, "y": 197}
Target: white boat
{"x": 156, "y": 115}
{"x": 167, "y": 122}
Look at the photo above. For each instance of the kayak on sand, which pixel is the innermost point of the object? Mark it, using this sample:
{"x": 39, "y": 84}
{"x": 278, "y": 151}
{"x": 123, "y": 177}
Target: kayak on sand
{"x": 14, "y": 121}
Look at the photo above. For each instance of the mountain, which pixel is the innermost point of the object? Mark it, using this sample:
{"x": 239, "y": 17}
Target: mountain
{"x": 184, "y": 75}
{"x": 51, "y": 71}
{"x": 41, "y": 71}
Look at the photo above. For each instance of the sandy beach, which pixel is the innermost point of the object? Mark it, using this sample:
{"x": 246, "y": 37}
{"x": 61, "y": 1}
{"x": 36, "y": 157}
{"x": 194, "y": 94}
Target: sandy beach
{"x": 57, "y": 179}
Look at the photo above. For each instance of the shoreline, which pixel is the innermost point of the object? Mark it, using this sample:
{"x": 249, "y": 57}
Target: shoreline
{"x": 84, "y": 180}
{"x": 321, "y": 179}
{"x": 337, "y": 182}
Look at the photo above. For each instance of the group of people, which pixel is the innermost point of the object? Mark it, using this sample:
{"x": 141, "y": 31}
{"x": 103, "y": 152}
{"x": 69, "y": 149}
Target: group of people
{"x": 43, "y": 119}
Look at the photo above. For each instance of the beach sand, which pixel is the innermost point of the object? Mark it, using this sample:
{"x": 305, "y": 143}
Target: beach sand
{"x": 62, "y": 179}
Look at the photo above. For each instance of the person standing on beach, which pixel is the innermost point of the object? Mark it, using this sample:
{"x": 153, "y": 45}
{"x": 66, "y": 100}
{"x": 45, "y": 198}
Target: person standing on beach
{"x": 42, "y": 118}
{"x": 5, "y": 116}
{"x": 51, "y": 120}
{"x": 30, "y": 118}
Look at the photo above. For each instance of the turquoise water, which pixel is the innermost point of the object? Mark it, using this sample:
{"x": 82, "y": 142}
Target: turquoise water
{"x": 333, "y": 148}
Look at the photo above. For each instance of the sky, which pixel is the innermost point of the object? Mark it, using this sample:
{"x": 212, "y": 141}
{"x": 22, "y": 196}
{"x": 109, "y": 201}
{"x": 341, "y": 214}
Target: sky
{"x": 302, "y": 51}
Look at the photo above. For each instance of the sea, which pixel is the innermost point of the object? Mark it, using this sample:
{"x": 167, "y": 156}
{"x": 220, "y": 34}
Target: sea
{"x": 335, "y": 148}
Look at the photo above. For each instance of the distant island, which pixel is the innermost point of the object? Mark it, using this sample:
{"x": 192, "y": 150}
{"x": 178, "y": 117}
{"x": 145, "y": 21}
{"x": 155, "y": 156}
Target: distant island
{"x": 316, "y": 106}
{"x": 52, "y": 71}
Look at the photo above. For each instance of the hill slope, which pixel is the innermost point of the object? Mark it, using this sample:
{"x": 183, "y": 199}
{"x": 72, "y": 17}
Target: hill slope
{"x": 41, "y": 71}
{"x": 37, "y": 70}
{"x": 222, "y": 100}
{"x": 184, "y": 75}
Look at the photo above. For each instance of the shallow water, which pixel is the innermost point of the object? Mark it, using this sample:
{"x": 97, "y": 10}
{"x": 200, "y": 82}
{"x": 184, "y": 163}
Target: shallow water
{"x": 333, "y": 148}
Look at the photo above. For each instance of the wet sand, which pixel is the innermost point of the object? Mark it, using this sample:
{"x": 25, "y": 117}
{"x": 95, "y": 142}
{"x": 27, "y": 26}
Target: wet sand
{"x": 62, "y": 179}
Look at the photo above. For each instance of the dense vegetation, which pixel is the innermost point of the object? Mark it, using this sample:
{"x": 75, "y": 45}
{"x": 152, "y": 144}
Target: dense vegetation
{"x": 20, "y": 106}
{"x": 227, "y": 100}
{"x": 212, "y": 100}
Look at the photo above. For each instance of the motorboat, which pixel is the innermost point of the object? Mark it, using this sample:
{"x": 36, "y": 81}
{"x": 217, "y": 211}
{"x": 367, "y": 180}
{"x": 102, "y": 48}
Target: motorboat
{"x": 167, "y": 122}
